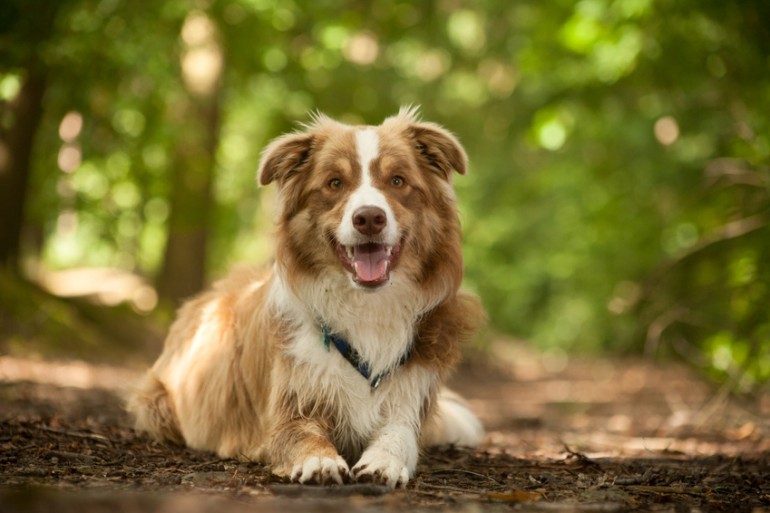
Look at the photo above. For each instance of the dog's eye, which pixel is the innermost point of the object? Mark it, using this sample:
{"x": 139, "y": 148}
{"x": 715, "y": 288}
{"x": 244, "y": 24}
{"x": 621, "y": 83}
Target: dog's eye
{"x": 335, "y": 183}
{"x": 397, "y": 181}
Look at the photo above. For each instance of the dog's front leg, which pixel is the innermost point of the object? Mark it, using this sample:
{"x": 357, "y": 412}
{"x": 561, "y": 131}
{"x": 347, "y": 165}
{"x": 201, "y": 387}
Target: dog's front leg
{"x": 300, "y": 449}
{"x": 391, "y": 457}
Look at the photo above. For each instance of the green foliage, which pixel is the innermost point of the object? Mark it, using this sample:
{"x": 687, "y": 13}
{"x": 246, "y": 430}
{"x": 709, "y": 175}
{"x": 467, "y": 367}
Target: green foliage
{"x": 619, "y": 194}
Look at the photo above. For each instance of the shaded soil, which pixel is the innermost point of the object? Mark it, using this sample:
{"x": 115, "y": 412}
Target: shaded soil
{"x": 600, "y": 435}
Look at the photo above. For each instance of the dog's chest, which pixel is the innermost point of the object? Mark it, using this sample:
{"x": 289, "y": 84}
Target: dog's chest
{"x": 324, "y": 378}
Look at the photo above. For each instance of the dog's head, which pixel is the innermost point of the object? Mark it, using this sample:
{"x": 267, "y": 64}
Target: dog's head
{"x": 368, "y": 202}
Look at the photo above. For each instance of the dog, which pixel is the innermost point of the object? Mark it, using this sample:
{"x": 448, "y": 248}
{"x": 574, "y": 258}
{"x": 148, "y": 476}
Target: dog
{"x": 334, "y": 356}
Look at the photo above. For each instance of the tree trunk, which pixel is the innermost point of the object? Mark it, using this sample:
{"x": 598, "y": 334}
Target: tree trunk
{"x": 197, "y": 119}
{"x": 184, "y": 263}
{"x": 26, "y": 111}
{"x": 27, "y": 24}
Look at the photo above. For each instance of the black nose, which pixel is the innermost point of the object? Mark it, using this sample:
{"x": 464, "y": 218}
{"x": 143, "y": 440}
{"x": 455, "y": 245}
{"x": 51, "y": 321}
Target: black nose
{"x": 369, "y": 220}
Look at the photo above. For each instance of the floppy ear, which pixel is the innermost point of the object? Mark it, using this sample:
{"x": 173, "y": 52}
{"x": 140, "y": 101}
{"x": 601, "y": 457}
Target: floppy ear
{"x": 284, "y": 156}
{"x": 438, "y": 148}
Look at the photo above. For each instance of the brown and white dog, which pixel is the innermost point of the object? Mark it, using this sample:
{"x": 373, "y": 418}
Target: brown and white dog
{"x": 336, "y": 355}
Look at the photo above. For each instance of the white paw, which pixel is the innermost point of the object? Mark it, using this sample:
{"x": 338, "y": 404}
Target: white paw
{"x": 320, "y": 470}
{"x": 381, "y": 467}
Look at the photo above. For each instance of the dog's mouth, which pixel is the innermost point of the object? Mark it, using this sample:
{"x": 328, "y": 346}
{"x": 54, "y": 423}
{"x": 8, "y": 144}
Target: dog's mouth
{"x": 369, "y": 263}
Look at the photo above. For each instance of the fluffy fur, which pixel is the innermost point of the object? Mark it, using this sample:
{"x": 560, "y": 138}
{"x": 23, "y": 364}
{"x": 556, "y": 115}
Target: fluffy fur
{"x": 368, "y": 244}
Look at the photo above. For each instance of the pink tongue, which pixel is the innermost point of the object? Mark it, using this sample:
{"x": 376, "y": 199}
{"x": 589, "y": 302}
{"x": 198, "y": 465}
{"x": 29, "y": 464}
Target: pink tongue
{"x": 370, "y": 262}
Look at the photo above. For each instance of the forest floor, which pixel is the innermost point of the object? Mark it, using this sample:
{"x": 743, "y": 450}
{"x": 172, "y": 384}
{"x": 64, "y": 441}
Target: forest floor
{"x": 563, "y": 436}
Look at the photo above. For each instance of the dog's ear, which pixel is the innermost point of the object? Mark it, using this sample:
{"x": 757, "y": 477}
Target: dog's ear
{"x": 285, "y": 156}
{"x": 438, "y": 148}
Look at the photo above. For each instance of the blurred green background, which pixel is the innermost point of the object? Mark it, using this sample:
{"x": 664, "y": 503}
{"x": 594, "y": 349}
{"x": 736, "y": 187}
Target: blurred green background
{"x": 619, "y": 192}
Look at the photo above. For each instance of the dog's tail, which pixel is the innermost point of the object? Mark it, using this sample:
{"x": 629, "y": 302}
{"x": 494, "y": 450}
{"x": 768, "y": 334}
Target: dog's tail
{"x": 153, "y": 411}
{"x": 453, "y": 423}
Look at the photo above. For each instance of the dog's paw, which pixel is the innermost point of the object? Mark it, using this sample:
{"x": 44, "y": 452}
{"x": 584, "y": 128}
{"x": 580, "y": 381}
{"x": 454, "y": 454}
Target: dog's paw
{"x": 320, "y": 470}
{"x": 381, "y": 467}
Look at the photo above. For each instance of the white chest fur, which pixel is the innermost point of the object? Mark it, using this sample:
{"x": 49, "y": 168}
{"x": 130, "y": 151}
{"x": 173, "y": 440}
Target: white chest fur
{"x": 381, "y": 328}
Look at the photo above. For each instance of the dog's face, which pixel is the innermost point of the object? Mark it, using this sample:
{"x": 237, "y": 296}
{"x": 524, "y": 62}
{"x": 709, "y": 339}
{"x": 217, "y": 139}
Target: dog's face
{"x": 368, "y": 202}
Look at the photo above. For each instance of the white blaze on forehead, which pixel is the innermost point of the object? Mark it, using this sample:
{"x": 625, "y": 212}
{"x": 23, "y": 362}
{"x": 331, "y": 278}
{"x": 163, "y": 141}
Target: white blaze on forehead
{"x": 367, "y": 148}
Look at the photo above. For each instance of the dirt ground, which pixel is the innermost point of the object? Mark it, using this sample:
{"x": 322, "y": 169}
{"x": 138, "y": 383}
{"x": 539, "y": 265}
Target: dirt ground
{"x": 564, "y": 435}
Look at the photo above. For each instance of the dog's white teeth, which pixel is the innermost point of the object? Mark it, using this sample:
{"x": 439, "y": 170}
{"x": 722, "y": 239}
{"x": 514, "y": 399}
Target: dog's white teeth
{"x": 389, "y": 249}
{"x": 349, "y": 250}
{"x": 355, "y": 267}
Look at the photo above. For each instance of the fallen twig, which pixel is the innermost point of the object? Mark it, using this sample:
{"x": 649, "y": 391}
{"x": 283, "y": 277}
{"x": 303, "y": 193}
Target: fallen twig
{"x": 448, "y": 488}
{"x": 664, "y": 489}
{"x": 71, "y": 456}
{"x": 88, "y": 436}
{"x": 463, "y": 471}
{"x": 582, "y": 458}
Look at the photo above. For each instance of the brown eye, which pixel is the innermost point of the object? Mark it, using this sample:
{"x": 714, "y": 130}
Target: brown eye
{"x": 397, "y": 181}
{"x": 335, "y": 183}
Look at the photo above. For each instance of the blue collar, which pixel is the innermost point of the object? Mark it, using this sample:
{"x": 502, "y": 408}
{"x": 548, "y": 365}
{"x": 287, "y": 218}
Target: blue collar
{"x": 354, "y": 357}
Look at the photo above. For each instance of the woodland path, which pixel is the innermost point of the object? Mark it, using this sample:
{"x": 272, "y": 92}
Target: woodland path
{"x": 578, "y": 436}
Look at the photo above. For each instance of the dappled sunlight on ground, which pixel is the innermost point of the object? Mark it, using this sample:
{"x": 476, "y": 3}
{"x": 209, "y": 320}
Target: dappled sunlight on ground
{"x": 73, "y": 373}
{"x": 608, "y": 407}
